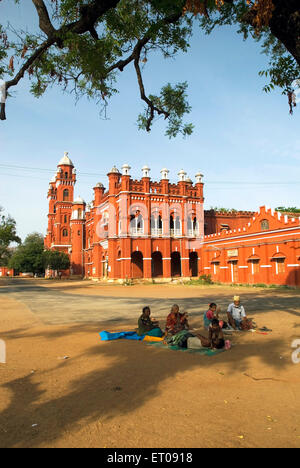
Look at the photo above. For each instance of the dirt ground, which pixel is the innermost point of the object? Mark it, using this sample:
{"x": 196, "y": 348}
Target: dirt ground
{"x": 129, "y": 394}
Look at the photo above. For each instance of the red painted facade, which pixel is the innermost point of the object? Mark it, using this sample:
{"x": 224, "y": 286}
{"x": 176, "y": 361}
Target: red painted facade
{"x": 266, "y": 250}
{"x": 140, "y": 229}
{"x": 4, "y": 271}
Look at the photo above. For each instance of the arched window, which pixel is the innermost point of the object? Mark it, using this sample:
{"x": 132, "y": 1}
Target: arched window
{"x": 65, "y": 219}
{"x": 79, "y": 213}
{"x": 66, "y": 175}
{"x": 265, "y": 225}
{"x": 66, "y": 195}
{"x": 65, "y": 233}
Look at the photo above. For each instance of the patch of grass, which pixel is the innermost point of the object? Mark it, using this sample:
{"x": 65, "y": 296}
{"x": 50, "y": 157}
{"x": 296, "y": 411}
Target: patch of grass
{"x": 202, "y": 280}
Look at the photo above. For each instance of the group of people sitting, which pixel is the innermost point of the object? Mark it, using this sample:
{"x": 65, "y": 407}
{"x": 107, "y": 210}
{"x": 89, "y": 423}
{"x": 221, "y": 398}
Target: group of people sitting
{"x": 177, "y": 329}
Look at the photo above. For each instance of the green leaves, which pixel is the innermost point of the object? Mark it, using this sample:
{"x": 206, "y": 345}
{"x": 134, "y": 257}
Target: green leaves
{"x": 8, "y": 235}
{"x": 28, "y": 257}
{"x": 55, "y": 260}
{"x": 87, "y": 63}
{"x": 173, "y": 101}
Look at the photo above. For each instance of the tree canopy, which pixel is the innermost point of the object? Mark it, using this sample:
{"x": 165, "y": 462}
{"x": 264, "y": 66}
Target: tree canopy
{"x": 83, "y": 45}
{"x": 8, "y": 235}
{"x": 55, "y": 260}
{"x": 291, "y": 209}
{"x": 28, "y": 257}
{"x": 31, "y": 257}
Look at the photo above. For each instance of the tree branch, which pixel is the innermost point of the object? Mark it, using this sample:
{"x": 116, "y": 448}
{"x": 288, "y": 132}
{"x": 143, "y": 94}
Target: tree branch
{"x": 44, "y": 19}
{"x": 121, "y": 64}
{"x": 45, "y": 46}
{"x": 151, "y": 106}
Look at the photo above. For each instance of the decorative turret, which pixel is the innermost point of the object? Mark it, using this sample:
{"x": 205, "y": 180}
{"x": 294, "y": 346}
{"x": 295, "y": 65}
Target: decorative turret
{"x": 99, "y": 190}
{"x": 65, "y": 179}
{"x": 182, "y": 182}
{"x": 146, "y": 171}
{"x": 199, "y": 178}
{"x": 182, "y": 175}
{"x": 125, "y": 179}
{"x": 65, "y": 161}
{"x": 114, "y": 179}
{"x": 199, "y": 184}
{"x": 165, "y": 174}
{"x": 126, "y": 170}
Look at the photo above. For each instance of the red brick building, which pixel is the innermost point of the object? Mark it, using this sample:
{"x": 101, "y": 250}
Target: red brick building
{"x": 145, "y": 229}
{"x": 4, "y": 271}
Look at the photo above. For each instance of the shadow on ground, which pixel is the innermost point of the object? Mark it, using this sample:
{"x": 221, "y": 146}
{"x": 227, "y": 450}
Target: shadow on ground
{"x": 112, "y": 392}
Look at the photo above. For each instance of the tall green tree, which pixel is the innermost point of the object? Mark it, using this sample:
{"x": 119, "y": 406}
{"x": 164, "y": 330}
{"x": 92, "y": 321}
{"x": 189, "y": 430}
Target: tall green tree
{"x": 29, "y": 256}
{"x": 56, "y": 260}
{"x": 8, "y": 235}
{"x": 83, "y": 46}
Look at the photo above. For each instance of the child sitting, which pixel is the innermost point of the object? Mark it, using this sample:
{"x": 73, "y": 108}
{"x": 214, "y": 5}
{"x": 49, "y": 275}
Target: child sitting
{"x": 212, "y": 313}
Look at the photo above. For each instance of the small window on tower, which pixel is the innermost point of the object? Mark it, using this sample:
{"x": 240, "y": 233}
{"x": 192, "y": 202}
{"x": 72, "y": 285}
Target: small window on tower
{"x": 65, "y": 233}
{"x": 66, "y": 175}
{"x": 65, "y": 219}
{"x": 78, "y": 232}
{"x": 65, "y": 195}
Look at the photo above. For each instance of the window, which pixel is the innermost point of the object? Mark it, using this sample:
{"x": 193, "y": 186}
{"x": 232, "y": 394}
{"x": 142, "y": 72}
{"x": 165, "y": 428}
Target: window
{"x": 65, "y": 233}
{"x": 280, "y": 266}
{"x": 255, "y": 267}
{"x": 66, "y": 175}
{"x": 216, "y": 268}
{"x": 65, "y": 195}
{"x": 65, "y": 219}
{"x": 265, "y": 225}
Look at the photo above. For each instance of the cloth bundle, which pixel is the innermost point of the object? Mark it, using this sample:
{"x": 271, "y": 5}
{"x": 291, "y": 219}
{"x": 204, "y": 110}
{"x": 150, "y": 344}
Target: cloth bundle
{"x": 3, "y": 95}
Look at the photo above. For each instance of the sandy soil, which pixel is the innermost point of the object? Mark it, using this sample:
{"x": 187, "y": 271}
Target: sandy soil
{"x": 129, "y": 394}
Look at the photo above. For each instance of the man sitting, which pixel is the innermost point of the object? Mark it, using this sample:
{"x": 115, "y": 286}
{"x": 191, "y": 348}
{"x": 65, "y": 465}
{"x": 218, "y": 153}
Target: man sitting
{"x": 237, "y": 317}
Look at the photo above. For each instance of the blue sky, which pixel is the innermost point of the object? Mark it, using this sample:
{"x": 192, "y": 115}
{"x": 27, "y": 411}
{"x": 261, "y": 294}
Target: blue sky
{"x": 245, "y": 142}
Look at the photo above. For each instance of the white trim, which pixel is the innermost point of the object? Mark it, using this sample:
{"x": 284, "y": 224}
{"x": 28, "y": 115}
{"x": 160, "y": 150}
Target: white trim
{"x": 296, "y": 265}
{"x": 224, "y": 268}
{"x": 60, "y": 246}
{"x": 265, "y": 266}
{"x": 242, "y": 238}
{"x": 243, "y": 267}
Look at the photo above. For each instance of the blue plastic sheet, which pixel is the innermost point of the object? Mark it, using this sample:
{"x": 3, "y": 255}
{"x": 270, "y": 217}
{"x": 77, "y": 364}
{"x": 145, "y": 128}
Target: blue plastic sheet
{"x": 107, "y": 336}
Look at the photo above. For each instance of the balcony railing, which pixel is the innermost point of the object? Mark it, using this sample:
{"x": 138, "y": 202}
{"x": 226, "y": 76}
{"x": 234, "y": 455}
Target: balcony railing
{"x": 193, "y": 233}
{"x": 136, "y": 231}
{"x": 156, "y": 232}
{"x": 175, "y": 232}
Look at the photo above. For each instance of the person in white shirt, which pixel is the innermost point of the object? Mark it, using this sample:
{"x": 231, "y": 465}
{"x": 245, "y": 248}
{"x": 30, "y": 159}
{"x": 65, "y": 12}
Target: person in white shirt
{"x": 237, "y": 317}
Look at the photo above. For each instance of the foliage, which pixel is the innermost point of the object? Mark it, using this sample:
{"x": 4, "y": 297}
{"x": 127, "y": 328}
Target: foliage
{"x": 253, "y": 19}
{"x": 29, "y": 256}
{"x": 223, "y": 210}
{"x": 202, "y": 280}
{"x": 83, "y": 46}
{"x": 283, "y": 209}
{"x": 8, "y": 235}
{"x": 56, "y": 260}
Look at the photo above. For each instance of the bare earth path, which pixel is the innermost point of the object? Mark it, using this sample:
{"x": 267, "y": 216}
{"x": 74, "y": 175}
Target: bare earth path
{"x": 128, "y": 394}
